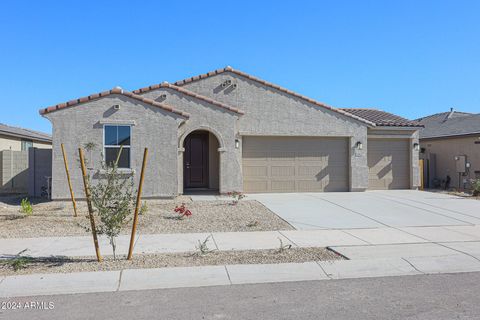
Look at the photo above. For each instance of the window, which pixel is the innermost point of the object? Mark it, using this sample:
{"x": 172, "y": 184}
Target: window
{"x": 26, "y": 144}
{"x": 114, "y": 138}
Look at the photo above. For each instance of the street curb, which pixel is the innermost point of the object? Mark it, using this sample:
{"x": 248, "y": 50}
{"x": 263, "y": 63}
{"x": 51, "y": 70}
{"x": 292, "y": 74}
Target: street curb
{"x": 221, "y": 275}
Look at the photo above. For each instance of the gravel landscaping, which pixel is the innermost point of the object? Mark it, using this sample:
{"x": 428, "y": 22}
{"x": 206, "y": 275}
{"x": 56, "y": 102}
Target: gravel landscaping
{"x": 56, "y": 218}
{"x": 65, "y": 265}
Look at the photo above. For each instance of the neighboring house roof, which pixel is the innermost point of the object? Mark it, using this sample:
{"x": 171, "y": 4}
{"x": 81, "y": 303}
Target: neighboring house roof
{"x": 449, "y": 124}
{"x": 382, "y": 118}
{"x": 17, "y": 132}
{"x": 116, "y": 90}
{"x": 188, "y": 93}
{"x": 271, "y": 85}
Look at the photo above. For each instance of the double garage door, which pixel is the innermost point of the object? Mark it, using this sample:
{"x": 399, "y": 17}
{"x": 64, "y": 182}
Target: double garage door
{"x": 388, "y": 164}
{"x": 295, "y": 164}
{"x": 300, "y": 164}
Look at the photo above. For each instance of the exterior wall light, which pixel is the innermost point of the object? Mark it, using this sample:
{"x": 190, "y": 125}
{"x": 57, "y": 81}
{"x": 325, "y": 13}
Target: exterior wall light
{"x": 416, "y": 146}
{"x": 359, "y": 145}
{"x": 237, "y": 143}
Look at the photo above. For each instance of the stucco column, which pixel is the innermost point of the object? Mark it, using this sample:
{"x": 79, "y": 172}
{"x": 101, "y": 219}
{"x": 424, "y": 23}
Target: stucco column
{"x": 231, "y": 176}
{"x": 358, "y": 162}
{"x": 415, "y": 166}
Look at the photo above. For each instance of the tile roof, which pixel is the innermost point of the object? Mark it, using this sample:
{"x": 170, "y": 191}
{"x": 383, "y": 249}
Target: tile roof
{"x": 188, "y": 93}
{"x": 448, "y": 124}
{"x": 115, "y": 90}
{"x": 382, "y": 118}
{"x": 271, "y": 85}
{"x": 24, "y": 133}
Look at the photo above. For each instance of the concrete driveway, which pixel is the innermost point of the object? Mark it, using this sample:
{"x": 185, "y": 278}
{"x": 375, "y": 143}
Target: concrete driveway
{"x": 372, "y": 209}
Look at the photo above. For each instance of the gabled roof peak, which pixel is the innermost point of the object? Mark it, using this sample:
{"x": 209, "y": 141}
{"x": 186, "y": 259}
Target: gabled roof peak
{"x": 271, "y": 85}
{"x": 115, "y": 90}
{"x": 187, "y": 92}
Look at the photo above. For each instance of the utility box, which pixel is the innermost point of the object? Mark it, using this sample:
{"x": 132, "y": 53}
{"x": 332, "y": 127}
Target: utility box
{"x": 461, "y": 164}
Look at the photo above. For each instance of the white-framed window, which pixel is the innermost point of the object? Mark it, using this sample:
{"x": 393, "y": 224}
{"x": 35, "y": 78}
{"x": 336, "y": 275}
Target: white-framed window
{"x": 114, "y": 137}
{"x": 26, "y": 144}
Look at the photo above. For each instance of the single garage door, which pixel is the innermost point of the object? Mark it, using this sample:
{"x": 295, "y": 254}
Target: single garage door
{"x": 388, "y": 164}
{"x": 295, "y": 164}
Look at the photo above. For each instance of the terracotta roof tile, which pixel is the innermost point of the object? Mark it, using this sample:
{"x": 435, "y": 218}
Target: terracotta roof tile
{"x": 274, "y": 86}
{"x": 115, "y": 90}
{"x": 382, "y": 118}
{"x": 191, "y": 94}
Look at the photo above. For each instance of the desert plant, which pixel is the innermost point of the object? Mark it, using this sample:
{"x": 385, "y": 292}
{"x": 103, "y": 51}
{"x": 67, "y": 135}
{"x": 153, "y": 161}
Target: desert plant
{"x": 283, "y": 247}
{"x": 202, "y": 246}
{"x": 236, "y": 197}
{"x": 19, "y": 261}
{"x": 27, "y": 209}
{"x": 89, "y": 146}
{"x": 143, "y": 208}
{"x": 476, "y": 187}
{"x": 252, "y": 224}
{"x": 182, "y": 211}
{"x": 113, "y": 199}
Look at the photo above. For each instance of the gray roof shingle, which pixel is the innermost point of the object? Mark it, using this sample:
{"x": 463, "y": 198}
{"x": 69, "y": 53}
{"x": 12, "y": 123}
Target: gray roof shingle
{"x": 24, "y": 133}
{"x": 382, "y": 118}
{"x": 447, "y": 124}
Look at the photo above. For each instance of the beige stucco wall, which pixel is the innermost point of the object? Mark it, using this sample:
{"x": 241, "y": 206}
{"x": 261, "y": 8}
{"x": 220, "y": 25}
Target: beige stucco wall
{"x": 445, "y": 151}
{"x": 15, "y": 144}
{"x": 152, "y": 127}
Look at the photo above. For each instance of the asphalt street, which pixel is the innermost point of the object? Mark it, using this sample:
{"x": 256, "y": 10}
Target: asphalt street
{"x": 436, "y": 297}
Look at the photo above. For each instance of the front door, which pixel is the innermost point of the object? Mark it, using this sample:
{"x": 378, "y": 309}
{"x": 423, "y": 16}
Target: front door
{"x": 195, "y": 160}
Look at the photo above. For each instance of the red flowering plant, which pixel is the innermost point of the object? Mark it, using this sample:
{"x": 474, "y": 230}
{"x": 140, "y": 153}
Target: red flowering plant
{"x": 182, "y": 211}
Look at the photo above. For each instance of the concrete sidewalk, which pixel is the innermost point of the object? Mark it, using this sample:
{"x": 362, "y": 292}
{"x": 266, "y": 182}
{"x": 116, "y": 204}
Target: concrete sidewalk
{"x": 145, "y": 279}
{"x": 374, "y": 252}
{"x": 437, "y": 237}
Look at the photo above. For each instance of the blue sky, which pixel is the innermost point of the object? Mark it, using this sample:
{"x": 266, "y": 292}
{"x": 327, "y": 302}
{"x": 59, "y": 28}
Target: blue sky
{"x": 412, "y": 58}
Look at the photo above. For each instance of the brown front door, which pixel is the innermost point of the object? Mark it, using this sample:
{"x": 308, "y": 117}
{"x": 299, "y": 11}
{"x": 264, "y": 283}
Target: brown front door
{"x": 195, "y": 161}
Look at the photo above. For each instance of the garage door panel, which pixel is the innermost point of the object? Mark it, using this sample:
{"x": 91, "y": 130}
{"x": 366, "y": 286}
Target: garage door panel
{"x": 282, "y": 171}
{"x": 388, "y": 163}
{"x": 255, "y": 186}
{"x": 295, "y": 164}
{"x": 255, "y": 171}
{"x": 282, "y": 185}
{"x": 309, "y": 171}
{"x": 309, "y": 185}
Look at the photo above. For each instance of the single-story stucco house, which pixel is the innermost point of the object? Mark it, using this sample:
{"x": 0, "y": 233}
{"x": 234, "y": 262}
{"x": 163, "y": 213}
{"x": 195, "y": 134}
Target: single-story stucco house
{"x": 229, "y": 131}
{"x": 450, "y": 146}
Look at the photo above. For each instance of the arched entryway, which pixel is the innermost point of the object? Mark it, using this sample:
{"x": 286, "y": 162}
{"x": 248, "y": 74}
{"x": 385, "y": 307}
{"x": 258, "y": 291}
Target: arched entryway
{"x": 201, "y": 162}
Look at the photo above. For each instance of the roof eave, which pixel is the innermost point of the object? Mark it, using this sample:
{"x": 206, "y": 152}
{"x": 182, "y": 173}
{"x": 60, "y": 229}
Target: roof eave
{"x": 167, "y": 85}
{"x": 459, "y": 135}
{"x": 18, "y": 135}
{"x": 274, "y": 86}
{"x": 119, "y": 91}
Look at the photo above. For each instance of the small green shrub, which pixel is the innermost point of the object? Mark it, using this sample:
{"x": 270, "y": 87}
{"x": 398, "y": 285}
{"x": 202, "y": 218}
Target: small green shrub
{"x": 236, "y": 197}
{"x": 26, "y": 207}
{"x": 202, "y": 246}
{"x": 19, "y": 261}
{"x": 143, "y": 209}
{"x": 252, "y": 224}
{"x": 476, "y": 187}
{"x": 283, "y": 247}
